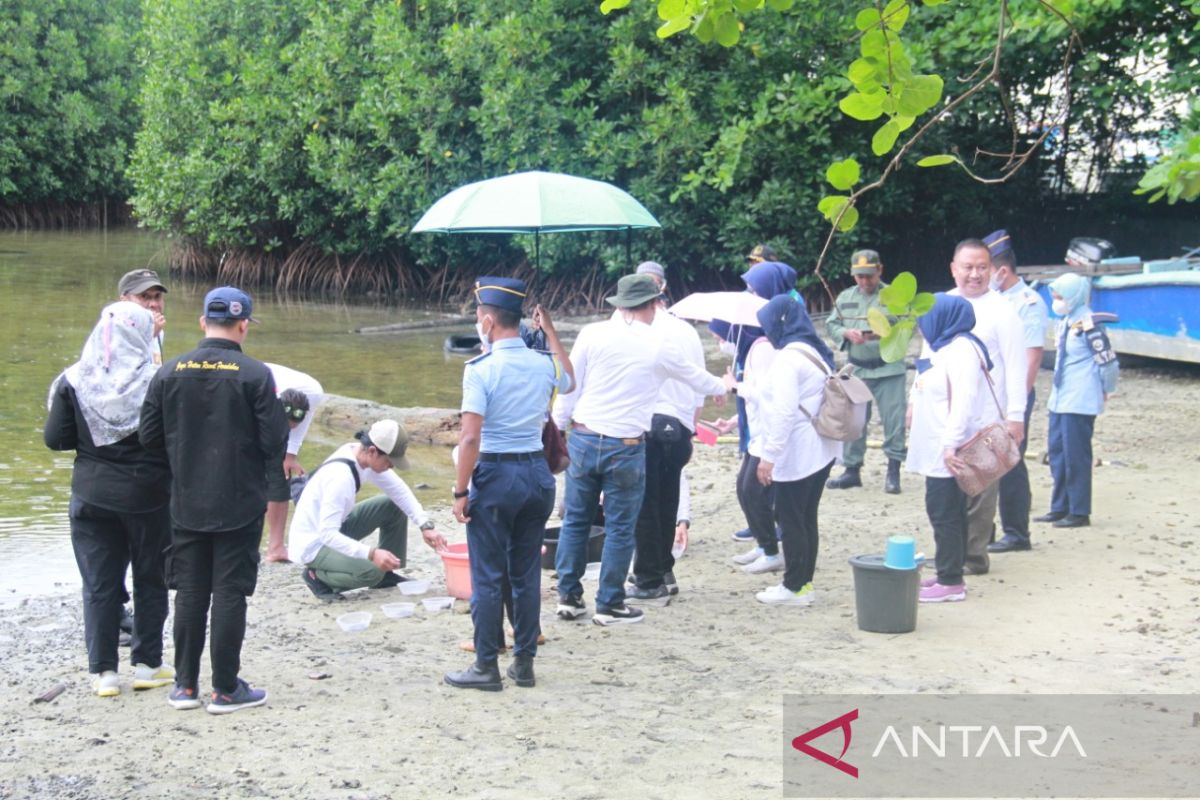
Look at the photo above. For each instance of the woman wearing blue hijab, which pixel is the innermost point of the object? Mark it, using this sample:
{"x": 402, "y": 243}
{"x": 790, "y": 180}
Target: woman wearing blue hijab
{"x": 793, "y": 460}
{"x": 950, "y": 403}
{"x": 1084, "y": 376}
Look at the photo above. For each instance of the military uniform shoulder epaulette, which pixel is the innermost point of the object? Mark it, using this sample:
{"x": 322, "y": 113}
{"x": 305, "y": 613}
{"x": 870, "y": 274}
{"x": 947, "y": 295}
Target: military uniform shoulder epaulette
{"x": 478, "y": 358}
{"x": 1031, "y": 297}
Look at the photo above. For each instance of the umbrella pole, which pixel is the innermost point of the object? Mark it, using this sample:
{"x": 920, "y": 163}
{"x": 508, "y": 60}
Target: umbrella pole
{"x": 628, "y": 241}
{"x": 537, "y": 250}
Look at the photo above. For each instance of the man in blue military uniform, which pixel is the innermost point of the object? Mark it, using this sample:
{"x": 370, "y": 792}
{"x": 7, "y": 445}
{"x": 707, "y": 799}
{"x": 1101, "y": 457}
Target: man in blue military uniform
{"x": 504, "y": 491}
{"x": 1015, "y": 497}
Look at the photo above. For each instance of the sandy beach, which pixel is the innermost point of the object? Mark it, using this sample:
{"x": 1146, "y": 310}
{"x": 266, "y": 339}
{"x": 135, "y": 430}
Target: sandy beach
{"x": 687, "y": 704}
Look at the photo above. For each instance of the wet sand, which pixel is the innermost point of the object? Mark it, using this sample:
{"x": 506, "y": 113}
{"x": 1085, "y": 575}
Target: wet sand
{"x": 687, "y": 704}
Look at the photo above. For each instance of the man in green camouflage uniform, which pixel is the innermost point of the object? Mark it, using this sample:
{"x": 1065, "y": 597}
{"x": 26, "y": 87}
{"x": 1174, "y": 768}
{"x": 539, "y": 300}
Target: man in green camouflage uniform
{"x": 847, "y": 327}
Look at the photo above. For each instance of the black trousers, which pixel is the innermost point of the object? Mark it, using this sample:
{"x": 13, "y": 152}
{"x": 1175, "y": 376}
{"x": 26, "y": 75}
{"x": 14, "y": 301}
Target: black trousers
{"x": 796, "y": 505}
{"x": 106, "y": 543}
{"x": 758, "y": 505}
{"x": 654, "y": 534}
{"x": 946, "y": 506}
{"x": 220, "y": 568}
{"x": 1015, "y": 497}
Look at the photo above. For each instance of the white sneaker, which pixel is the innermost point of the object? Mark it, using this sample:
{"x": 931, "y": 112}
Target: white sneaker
{"x": 145, "y": 677}
{"x": 107, "y": 684}
{"x": 780, "y": 595}
{"x": 764, "y": 563}
{"x": 748, "y": 557}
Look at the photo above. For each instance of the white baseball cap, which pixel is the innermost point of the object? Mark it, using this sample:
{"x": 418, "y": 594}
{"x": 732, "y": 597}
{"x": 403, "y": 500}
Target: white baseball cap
{"x": 388, "y": 437}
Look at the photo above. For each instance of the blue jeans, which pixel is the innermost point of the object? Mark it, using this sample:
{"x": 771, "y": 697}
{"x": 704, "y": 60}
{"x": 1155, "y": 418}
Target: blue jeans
{"x": 600, "y": 464}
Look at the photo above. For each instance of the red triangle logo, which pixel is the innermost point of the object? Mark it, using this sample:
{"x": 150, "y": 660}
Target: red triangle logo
{"x": 801, "y": 743}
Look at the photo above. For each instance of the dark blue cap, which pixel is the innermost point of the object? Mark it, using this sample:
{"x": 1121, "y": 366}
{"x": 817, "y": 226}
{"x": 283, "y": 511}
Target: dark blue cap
{"x": 228, "y": 302}
{"x": 506, "y": 293}
{"x": 998, "y": 242}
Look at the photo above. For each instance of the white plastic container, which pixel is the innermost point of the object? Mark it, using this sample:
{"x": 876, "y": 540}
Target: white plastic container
{"x": 592, "y": 571}
{"x": 398, "y": 610}
{"x": 355, "y": 621}
{"x": 435, "y": 604}
{"x": 413, "y": 587}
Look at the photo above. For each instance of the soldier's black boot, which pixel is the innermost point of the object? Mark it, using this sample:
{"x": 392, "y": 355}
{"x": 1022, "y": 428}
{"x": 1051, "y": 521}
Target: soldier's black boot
{"x": 521, "y": 671}
{"x": 847, "y": 480}
{"x": 891, "y": 483}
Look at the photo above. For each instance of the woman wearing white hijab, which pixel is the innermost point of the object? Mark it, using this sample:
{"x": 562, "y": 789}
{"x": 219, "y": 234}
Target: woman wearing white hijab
{"x": 119, "y": 494}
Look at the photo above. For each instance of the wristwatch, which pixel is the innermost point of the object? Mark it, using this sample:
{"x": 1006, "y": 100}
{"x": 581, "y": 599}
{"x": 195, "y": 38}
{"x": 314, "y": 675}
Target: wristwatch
{"x": 428, "y": 525}
{"x": 460, "y": 495}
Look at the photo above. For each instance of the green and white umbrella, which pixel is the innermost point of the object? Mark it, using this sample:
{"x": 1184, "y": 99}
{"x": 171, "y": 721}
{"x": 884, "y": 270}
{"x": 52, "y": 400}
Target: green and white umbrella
{"x": 537, "y": 203}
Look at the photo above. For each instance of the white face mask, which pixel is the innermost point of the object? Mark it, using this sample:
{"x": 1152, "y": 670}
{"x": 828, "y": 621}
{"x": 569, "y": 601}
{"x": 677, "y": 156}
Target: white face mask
{"x": 483, "y": 337}
{"x": 727, "y": 348}
{"x": 995, "y": 285}
{"x": 1060, "y": 307}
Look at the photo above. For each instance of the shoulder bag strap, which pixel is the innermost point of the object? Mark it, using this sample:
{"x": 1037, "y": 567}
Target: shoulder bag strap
{"x": 348, "y": 463}
{"x": 990, "y": 383}
{"x": 821, "y": 365}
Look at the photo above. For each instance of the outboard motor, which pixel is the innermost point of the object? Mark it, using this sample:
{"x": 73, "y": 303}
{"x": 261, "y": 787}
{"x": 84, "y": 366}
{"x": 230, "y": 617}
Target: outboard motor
{"x": 1087, "y": 252}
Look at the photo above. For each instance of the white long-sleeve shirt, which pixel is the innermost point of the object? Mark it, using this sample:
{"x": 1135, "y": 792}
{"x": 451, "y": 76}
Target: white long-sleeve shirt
{"x": 1000, "y": 328}
{"x": 790, "y": 441}
{"x": 619, "y": 367}
{"x": 950, "y": 403}
{"x": 327, "y": 500}
{"x": 675, "y": 397}
{"x": 752, "y": 390}
{"x": 288, "y": 378}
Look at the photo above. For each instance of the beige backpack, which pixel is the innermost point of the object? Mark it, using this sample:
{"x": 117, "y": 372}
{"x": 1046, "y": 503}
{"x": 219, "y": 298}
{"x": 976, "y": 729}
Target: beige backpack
{"x": 843, "y": 412}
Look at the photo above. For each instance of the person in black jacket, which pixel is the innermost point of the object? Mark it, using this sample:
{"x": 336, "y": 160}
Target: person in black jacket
{"x": 119, "y": 494}
{"x": 214, "y": 413}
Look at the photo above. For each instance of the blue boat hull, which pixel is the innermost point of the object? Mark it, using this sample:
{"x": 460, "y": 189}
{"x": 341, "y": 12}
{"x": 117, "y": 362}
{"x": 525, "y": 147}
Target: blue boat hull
{"x": 1159, "y": 313}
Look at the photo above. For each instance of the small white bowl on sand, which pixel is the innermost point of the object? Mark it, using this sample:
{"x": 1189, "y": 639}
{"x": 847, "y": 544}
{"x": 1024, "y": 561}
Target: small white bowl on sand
{"x": 435, "y": 604}
{"x": 592, "y": 571}
{"x": 413, "y": 587}
{"x": 355, "y": 621}
{"x": 398, "y": 610}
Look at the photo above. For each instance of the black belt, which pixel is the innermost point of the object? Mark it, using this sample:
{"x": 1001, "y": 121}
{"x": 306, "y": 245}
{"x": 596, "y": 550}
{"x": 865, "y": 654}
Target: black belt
{"x": 874, "y": 363}
{"x": 534, "y": 456}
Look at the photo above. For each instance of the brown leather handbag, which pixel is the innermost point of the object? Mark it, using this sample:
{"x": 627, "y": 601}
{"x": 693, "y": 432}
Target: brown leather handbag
{"x": 555, "y": 447}
{"x": 990, "y": 453}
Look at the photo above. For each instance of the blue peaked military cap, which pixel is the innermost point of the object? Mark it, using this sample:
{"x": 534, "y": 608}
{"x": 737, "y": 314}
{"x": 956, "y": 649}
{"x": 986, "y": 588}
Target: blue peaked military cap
{"x": 998, "y": 242}
{"x": 506, "y": 293}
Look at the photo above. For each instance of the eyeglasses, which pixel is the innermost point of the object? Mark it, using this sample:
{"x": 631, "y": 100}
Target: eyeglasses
{"x": 294, "y": 412}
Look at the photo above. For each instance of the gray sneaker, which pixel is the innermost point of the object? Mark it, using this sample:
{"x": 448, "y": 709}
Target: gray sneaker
{"x": 658, "y": 596}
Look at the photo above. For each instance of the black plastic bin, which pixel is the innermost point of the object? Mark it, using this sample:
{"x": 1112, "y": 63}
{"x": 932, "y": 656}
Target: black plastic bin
{"x": 595, "y": 545}
{"x": 885, "y": 599}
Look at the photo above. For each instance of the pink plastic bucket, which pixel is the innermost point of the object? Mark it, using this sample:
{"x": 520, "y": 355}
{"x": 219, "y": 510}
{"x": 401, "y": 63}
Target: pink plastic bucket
{"x": 458, "y": 570}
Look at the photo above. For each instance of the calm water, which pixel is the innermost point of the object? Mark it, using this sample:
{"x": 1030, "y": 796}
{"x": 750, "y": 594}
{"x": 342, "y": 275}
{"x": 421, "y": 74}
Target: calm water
{"x": 53, "y": 287}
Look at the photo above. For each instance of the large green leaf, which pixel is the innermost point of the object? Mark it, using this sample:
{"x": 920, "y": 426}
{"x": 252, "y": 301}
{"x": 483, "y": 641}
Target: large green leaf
{"x": 922, "y": 303}
{"x": 832, "y": 205}
{"x": 904, "y": 287}
{"x": 885, "y": 138}
{"x": 863, "y": 71}
{"x": 849, "y": 220}
{"x": 671, "y": 9}
{"x": 673, "y": 26}
{"x": 936, "y": 161}
{"x": 878, "y": 321}
{"x": 920, "y": 94}
{"x": 728, "y": 31}
{"x": 864, "y": 107}
{"x": 612, "y": 5}
{"x": 895, "y": 14}
{"x": 843, "y": 174}
{"x": 866, "y": 18}
{"x": 894, "y": 346}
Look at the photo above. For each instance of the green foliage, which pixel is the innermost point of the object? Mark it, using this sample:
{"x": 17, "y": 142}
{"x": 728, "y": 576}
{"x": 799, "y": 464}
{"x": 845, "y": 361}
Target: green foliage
{"x": 904, "y": 304}
{"x": 1176, "y": 175}
{"x": 68, "y": 82}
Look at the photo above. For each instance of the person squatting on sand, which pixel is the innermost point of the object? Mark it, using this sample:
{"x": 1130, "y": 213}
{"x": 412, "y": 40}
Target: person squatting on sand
{"x": 328, "y": 527}
{"x": 119, "y": 494}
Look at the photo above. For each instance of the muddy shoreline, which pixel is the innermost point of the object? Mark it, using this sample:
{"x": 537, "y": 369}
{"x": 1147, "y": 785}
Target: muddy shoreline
{"x": 687, "y": 704}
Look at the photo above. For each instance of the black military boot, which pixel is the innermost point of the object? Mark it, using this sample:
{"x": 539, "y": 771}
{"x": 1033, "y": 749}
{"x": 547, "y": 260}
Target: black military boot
{"x": 891, "y": 483}
{"x": 847, "y": 480}
{"x": 477, "y": 676}
{"x": 521, "y": 671}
